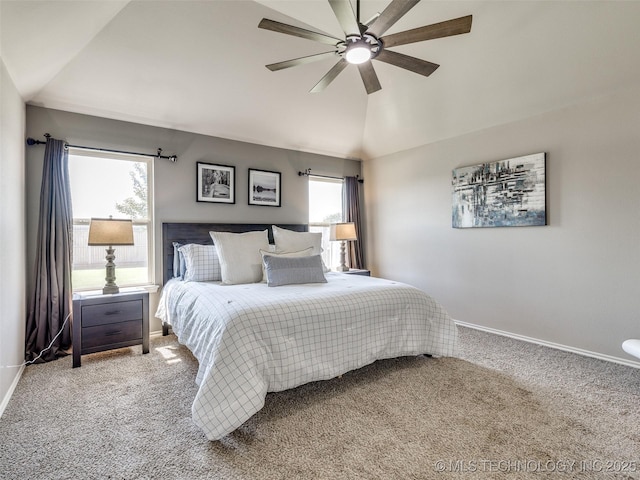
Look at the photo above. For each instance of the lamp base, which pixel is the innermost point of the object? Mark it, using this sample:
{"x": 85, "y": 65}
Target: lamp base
{"x": 343, "y": 263}
{"x": 110, "y": 289}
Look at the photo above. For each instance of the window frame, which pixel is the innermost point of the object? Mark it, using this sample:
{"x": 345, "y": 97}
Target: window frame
{"x": 330, "y": 255}
{"x": 149, "y": 222}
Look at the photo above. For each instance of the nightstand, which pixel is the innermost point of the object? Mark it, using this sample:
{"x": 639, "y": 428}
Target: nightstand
{"x": 356, "y": 271}
{"x": 105, "y": 322}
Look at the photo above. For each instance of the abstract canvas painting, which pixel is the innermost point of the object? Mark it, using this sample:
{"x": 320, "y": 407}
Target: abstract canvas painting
{"x": 506, "y": 193}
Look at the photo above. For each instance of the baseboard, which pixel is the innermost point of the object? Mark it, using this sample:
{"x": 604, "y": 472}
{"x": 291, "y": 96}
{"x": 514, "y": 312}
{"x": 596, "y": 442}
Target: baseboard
{"x": 14, "y": 384}
{"x": 557, "y": 346}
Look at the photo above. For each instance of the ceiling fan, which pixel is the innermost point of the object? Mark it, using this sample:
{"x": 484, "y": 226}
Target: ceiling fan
{"x": 364, "y": 42}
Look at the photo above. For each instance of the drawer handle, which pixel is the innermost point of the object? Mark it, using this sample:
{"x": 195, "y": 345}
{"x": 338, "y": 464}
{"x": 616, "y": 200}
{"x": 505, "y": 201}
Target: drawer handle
{"x": 112, "y": 333}
{"x": 113, "y": 312}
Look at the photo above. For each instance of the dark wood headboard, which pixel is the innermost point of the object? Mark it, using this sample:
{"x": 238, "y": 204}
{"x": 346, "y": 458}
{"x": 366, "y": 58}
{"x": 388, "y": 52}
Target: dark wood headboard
{"x": 199, "y": 233}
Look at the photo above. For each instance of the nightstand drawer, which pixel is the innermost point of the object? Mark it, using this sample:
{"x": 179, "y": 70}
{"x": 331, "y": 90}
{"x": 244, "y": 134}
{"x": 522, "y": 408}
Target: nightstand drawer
{"x": 107, "y": 313}
{"x": 111, "y": 333}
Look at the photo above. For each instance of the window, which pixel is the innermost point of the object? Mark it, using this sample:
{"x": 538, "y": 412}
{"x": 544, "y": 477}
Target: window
{"x": 325, "y": 208}
{"x": 103, "y": 185}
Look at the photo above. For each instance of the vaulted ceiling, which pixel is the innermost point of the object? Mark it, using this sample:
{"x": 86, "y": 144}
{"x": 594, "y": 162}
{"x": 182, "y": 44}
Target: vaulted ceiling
{"x": 199, "y": 66}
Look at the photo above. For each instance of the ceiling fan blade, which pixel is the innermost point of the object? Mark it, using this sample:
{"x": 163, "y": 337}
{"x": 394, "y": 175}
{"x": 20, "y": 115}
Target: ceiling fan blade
{"x": 346, "y": 17}
{"x": 390, "y": 15}
{"x": 297, "y": 31}
{"x": 330, "y": 76}
{"x": 448, "y": 28}
{"x": 300, "y": 61}
{"x": 409, "y": 63}
{"x": 369, "y": 77}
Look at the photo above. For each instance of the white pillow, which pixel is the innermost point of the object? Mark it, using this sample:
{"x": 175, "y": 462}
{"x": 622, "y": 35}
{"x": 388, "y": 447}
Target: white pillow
{"x": 290, "y": 241}
{"x": 240, "y": 257}
{"x": 302, "y": 253}
{"x": 201, "y": 263}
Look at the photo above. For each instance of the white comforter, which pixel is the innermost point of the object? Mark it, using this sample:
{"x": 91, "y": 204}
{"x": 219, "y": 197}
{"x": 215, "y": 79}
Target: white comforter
{"x": 253, "y": 339}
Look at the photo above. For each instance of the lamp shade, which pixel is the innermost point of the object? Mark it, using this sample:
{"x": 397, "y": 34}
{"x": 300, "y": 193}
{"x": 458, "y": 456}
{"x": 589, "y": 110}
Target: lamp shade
{"x": 110, "y": 231}
{"x": 342, "y": 231}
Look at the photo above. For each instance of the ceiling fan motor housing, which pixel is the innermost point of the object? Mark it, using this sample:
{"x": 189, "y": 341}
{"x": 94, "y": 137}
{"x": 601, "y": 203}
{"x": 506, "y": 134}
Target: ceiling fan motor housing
{"x": 359, "y": 48}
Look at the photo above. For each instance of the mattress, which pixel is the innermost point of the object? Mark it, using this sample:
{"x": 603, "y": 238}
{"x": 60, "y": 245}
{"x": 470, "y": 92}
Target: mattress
{"x": 253, "y": 339}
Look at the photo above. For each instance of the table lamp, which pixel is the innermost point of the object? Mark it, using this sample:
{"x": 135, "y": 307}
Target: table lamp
{"x": 342, "y": 232}
{"x": 109, "y": 232}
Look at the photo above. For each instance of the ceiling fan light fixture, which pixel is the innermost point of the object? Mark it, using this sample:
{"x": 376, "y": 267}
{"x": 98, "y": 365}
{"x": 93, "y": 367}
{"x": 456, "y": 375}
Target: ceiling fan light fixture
{"x": 357, "y": 53}
{"x": 360, "y": 49}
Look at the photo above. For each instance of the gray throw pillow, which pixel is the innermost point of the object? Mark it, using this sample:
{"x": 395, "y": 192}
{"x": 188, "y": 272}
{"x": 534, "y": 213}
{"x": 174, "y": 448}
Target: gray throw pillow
{"x": 293, "y": 270}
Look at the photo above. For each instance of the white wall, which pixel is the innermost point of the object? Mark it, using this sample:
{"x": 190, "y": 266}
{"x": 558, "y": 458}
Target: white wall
{"x": 12, "y": 234}
{"x": 574, "y": 282}
{"x": 175, "y": 187}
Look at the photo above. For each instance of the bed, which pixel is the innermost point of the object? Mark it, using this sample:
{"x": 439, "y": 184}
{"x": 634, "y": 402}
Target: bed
{"x": 253, "y": 338}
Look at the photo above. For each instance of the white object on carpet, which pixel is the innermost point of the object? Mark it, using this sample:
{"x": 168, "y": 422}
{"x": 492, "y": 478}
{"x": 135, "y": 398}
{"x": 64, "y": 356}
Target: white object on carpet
{"x": 632, "y": 347}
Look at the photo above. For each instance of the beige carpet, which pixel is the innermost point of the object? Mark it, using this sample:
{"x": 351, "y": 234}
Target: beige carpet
{"x": 503, "y": 409}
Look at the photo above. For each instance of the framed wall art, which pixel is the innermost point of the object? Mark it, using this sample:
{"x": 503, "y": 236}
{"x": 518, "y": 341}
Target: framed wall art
{"x": 216, "y": 183}
{"x": 264, "y": 188}
{"x": 506, "y": 193}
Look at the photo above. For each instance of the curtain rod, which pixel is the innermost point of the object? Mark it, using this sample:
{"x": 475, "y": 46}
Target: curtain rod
{"x": 307, "y": 173}
{"x": 172, "y": 158}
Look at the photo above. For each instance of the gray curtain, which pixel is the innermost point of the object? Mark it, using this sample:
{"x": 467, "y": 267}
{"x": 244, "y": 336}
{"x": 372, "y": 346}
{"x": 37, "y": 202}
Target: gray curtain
{"x": 351, "y": 208}
{"x": 52, "y": 297}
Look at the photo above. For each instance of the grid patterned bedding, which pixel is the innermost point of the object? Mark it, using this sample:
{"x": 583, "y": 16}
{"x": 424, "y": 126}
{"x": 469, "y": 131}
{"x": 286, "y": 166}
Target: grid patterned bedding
{"x": 252, "y": 339}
